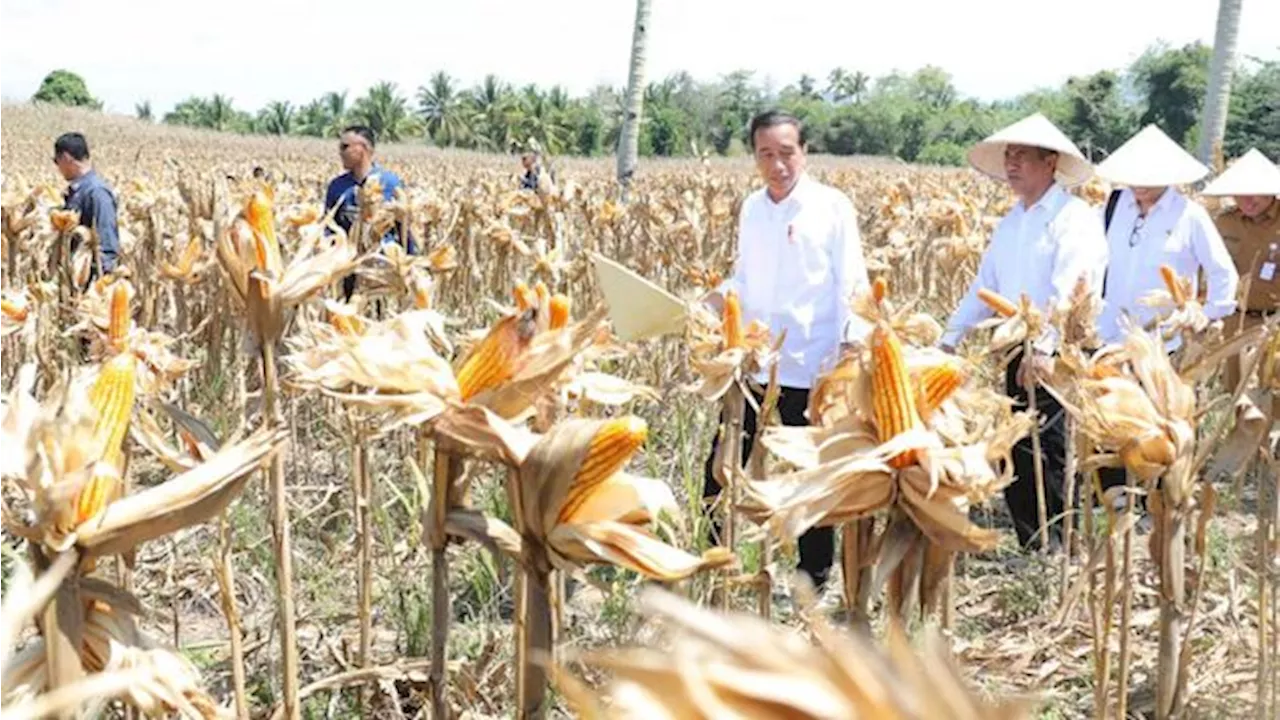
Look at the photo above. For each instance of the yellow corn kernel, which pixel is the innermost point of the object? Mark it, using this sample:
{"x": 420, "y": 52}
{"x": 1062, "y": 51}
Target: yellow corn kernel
{"x": 560, "y": 305}
{"x": 935, "y": 385}
{"x": 493, "y": 360}
{"x": 879, "y": 288}
{"x": 118, "y": 315}
{"x": 96, "y": 494}
{"x": 347, "y": 323}
{"x": 525, "y": 298}
{"x": 732, "y": 321}
{"x": 1175, "y": 286}
{"x": 894, "y": 405}
{"x": 443, "y": 258}
{"x": 610, "y": 449}
{"x": 1003, "y": 306}
{"x": 112, "y": 396}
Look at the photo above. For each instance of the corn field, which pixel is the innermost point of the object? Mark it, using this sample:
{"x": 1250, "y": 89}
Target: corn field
{"x": 230, "y": 493}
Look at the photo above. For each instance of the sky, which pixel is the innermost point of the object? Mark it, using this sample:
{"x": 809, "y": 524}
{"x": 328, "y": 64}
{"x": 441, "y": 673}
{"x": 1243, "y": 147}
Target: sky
{"x": 255, "y": 51}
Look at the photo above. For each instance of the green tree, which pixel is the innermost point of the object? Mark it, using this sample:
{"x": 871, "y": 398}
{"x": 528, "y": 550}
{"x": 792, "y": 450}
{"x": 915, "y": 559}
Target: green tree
{"x": 1254, "y": 119}
{"x": 63, "y": 87}
{"x": 277, "y": 118}
{"x": 1099, "y": 122}
{"x": 143, "y": 110}
{"x": 1172, "y": 83}
{"x": 386, "y": 112}
{"x": 444, "y": 110}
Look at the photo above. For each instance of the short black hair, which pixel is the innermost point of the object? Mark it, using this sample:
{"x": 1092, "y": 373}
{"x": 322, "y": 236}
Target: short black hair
{"x": 363, "y": 131}
{"x": 259, "y": 172}
{"x": 73, "y": 144}
{"x": 773, "y": 118}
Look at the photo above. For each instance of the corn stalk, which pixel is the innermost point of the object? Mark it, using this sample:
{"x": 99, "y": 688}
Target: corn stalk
{"x": 444, "y": 472}
{"x": 224, "y": 571}
{"x": 727, "y": 464}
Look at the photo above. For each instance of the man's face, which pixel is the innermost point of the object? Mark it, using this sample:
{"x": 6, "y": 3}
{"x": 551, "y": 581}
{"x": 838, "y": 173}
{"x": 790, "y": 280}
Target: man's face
{"x": 354, "y": 150}
{"x": 66, "y": 166}
{"x": 528, "y": 161}
{"x": 1147, "y": 196}
{"x": 1026, "y": 170}
{"x": 779, "y": 156}
{"x": 1254, "y": 205}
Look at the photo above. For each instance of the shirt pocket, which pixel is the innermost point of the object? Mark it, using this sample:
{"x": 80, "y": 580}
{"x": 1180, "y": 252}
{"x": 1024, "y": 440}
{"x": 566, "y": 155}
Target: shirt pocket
{"x": 805, "y": 260}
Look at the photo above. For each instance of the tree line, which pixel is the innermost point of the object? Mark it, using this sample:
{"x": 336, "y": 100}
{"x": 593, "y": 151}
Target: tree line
{"x": 916, "y": 116}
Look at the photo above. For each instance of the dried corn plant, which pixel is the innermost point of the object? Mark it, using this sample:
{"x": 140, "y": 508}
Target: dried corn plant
{"x": 1142, "y": 413}
{"x": 895, "y": 436}
{"x": 714, "y": 665}
{"x": 69, "y": 450}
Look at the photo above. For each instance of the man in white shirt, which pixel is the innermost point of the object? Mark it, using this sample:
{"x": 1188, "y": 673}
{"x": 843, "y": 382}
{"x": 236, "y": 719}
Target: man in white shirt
{"x": 799, "y": 265}
{"x": 1047, "y": 242}
{"x": 1152, "y": 224}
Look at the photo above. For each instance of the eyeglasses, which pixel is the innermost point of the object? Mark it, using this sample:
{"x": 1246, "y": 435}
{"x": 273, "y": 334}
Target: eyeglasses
{"x": 1136, "y": 236}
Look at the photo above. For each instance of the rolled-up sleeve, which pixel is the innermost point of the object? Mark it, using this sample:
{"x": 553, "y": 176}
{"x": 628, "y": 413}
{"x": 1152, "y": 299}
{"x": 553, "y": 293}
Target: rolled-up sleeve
{"x": 1221, "y": 277}
{"x": 850, "y": 270}
{"x": 103, "y": 207}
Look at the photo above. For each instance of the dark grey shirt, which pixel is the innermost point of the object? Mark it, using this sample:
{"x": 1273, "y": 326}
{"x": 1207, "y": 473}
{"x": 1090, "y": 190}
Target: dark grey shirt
{"x": 96, "y": 202}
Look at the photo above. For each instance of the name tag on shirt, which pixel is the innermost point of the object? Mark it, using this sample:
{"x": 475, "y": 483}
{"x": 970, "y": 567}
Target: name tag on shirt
{"x": 1268, "y": 271}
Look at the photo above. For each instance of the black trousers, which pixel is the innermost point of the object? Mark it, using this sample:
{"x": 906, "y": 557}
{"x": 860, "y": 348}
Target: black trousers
{"x": 817, "y": 545}
{"x": 1020, "y": 495}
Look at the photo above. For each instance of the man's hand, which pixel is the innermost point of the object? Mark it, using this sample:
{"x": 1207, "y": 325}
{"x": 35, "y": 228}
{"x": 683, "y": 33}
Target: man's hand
{"x": 1032, "y": 370}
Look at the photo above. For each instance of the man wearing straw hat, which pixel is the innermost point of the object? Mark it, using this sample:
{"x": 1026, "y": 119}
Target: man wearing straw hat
{"x": 1154, "y": 224}
{"x": 1042, "y": 248}
{"x": 798, "y": 269}
{"x": 1251, "y": 232}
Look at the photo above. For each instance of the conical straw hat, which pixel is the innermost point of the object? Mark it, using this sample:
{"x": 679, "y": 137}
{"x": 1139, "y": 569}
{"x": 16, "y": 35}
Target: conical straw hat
{"x": 1036, "y": 130}
{"x": 638, "y": 308}
{"x": 1151, "y": 159}
{"x": 1252, "y": 174}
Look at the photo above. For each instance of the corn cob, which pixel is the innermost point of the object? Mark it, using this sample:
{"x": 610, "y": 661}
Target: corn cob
{"x": 13, "y": 310}
{"x": 493, "y": 360}
{"x": 610, "y": 449}
{"x": 118, "y": 315}
{"x": 542, "y": 293}
{"x": 96, "y": 494}
{"x": 261, "y": 219}
{"x": 879, "y": 288}
{"x": 1003, "y": 306}
{"x": 525, "y": 298}
{"x": 421, "y": 296}
{"x": 1175, "y": 286}
{"x": 112, "y": 396}
{"x": 732, "y": 321}
{"x": 560, "y": 305}
{"x": 894, "y": 404}
{"x": 935, "y": 385}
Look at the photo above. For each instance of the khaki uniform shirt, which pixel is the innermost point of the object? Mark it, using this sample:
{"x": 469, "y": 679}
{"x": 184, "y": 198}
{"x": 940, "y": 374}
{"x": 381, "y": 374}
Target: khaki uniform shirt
{"x": 1249, "y": 242}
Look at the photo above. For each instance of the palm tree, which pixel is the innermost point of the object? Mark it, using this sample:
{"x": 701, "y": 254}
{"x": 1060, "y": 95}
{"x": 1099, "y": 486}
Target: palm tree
{"x": 629, "y": 143}
{"x": 219, "y": 113}
{"x": 540, "y": 120}
{"x": 807, "y": 86}
{"x": 277, "y": 118}
{"x": 494, "y": 114}
{"x": 443, "y": 110}
{"x": 1218, "y": 94}
{"x": 386, "y": 112}
{"x": 143, "y": 110}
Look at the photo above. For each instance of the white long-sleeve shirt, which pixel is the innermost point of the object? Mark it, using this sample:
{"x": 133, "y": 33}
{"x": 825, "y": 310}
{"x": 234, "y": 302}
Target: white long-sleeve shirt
{"x": 1175, "y": 232}
{"x": 798, "y": 267}
{"x": 1042, "y": 251}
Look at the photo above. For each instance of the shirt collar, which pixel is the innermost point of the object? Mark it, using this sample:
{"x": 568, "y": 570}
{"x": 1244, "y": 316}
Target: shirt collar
{"x": 82, "y": 180}
{"x": 1049, "y": 198}
{"x": 1269, "y": 214}
{"x": 1167, "y": 199}
{"x": 796, "y": 196}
